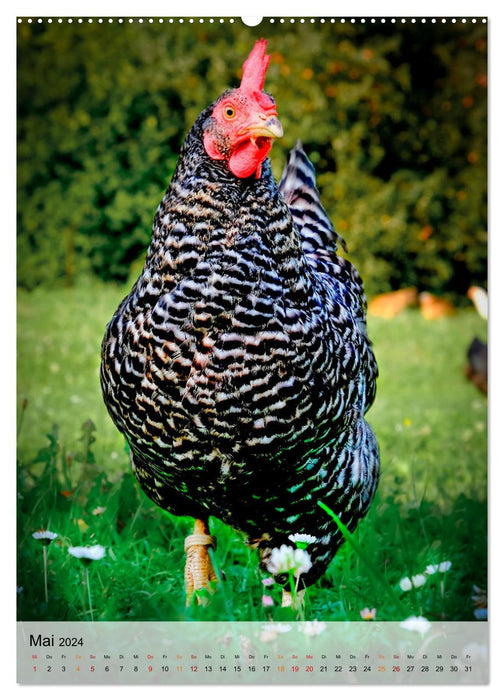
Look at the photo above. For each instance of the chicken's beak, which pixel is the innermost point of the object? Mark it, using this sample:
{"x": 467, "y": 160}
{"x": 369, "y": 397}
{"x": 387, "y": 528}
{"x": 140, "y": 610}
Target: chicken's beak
{"x": 267, "y": 127}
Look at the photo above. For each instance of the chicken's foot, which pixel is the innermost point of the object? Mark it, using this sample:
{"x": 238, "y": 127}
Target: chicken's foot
{"x": 199, "y": 572}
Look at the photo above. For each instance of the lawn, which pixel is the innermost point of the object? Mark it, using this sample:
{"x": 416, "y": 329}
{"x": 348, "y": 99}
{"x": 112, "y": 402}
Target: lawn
{"x": 74, "y": 479}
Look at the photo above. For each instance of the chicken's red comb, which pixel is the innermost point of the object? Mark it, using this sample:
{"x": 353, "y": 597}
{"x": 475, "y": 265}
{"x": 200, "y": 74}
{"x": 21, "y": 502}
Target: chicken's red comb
{"x": 255, "y": 67}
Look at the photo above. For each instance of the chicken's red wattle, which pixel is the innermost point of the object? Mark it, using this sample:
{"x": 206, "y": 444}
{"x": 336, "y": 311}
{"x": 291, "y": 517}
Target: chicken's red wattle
{"x": 248, "y": 157}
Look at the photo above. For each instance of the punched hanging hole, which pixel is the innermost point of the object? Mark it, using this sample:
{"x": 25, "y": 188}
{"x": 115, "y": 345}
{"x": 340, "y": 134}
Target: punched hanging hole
{"x": 251, "y": 21}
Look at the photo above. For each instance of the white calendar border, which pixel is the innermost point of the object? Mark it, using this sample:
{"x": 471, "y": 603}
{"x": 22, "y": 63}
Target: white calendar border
{"x": 362, "y": 8}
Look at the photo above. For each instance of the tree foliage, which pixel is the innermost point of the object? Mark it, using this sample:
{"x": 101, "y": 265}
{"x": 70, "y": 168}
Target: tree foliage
{"x": 393, "y": 117}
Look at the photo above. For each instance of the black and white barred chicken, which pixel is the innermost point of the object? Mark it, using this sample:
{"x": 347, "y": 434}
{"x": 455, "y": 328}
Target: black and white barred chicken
{"x": 239, "y": 368}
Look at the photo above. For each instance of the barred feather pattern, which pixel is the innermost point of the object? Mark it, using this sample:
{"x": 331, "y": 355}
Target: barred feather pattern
{"x": 239, "y": 368}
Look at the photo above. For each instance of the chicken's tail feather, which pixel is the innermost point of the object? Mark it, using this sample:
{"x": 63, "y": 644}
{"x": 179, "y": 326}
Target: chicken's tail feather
{"x": 299, "y": 189}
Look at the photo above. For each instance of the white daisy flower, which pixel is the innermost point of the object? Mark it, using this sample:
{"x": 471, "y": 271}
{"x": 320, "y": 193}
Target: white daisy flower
{"x": 270, "y": 632}
{"x": 434, "y": 568}
{"x": 431, "y": 569}
{"x": 418, "y": 580}
{"x": 405, "y": 584}
{"x": 280, "y": 628}
{"x": 302, "y": 541}
{"x": 313, "y": 627}
{"x": 416, "y": 624}
{"x": 87, "y": 553}
{"x": 44, "y": 536}
{"x": 285, "y": 559}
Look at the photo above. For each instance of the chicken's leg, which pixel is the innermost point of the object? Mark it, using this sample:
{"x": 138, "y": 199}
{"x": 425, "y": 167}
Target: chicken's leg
{"x": 199, "y": 572}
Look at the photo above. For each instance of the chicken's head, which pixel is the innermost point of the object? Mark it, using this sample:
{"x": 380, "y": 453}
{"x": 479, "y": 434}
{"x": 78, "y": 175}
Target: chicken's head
{"x": 244, "y": 121}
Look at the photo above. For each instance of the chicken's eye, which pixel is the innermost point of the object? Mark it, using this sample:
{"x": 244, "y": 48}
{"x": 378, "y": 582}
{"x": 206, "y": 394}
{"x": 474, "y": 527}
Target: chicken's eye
{"x": 229, "y": 112}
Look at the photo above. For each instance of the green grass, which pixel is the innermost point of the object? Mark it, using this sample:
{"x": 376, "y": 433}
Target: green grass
{"x": 74, "y": 479}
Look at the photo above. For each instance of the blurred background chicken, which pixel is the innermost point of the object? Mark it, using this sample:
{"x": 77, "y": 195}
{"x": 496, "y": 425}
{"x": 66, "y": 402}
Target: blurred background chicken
{"x": 476, "y": 368}
{"x": 391, "y": 304}
{"x": 433, "y": 307}
{"x": 479, "y": 298}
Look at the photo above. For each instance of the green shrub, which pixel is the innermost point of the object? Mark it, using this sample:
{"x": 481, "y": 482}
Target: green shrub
{"x": 394, "y": 118}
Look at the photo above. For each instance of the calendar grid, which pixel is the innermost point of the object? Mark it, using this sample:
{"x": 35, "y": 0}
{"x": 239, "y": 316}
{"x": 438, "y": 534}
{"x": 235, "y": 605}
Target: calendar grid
{"x": 227, "y": 653}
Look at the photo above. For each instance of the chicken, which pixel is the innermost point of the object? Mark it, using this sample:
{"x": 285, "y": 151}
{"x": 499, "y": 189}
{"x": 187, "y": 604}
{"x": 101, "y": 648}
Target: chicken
{"x": 239, "y": 368}
{"x": 479, "y": 298}
{"x": 391, "y": 304}
{"x": 476, "y": 368}
{"x": 432, "y": 307}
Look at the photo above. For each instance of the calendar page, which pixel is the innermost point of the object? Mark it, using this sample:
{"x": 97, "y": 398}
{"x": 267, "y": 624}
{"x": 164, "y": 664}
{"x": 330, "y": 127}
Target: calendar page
{"x": 252, "y": 350}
